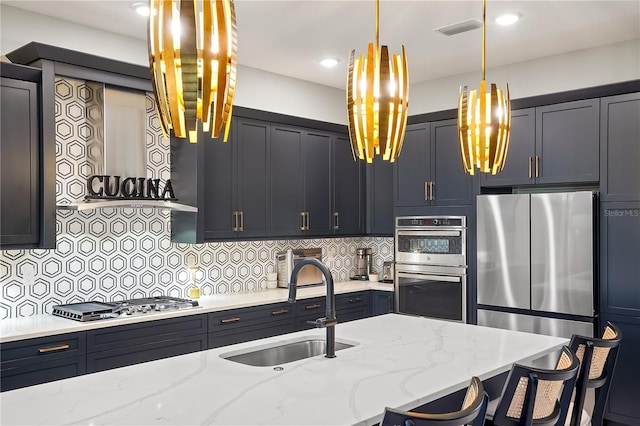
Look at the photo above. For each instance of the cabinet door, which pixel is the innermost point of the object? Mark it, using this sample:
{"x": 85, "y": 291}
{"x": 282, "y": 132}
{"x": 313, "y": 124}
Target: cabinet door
{"x": 624, "y": 393}
{"x": 348, "y": 185}
{"x": 19, "y": 164}
{"x": 619, "y": 266}
{"x": 316, "y": 154}
{"x": 251, "y": 177}
{"x": 413, "y": 168}
{"x": 567, "y": 142}
{"x": 381, "y": 302}
{"x": 451, "y": 184}
{"x": 380, "y": 197}
{"x": 518, "y": 168}
{"x": 619, "y": 148}
{"x": 286, "y": 183}
{"x": 220, "y": 186}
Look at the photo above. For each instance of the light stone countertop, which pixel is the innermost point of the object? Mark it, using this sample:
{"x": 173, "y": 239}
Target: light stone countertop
{"x": 400, "y": 361}
{"x": 46, "y": 325}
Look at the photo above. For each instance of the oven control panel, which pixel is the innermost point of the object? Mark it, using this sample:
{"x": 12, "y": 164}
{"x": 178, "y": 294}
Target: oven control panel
{"x": 430, "y": 221}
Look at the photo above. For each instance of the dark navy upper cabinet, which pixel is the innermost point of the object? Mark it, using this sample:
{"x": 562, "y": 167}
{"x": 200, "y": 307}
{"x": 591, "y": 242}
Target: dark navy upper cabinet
{"x": 620, "y": 148}
{"x": 452, "y": 186}
{"x": 379, "y": 197}
{"x": 27, "y": 161}
{"x": 619, "y": 255}
{"x": 553, "y": 144}
{"x": 429, "y": 170}
{"x": 567, "y": 142}
{"x": 236, "y": 189}
{"x": 300, "y": 183}
{"x": 519, "y": 165}
{"x": 413, "y": 168}
{"x": 348, "y": 194}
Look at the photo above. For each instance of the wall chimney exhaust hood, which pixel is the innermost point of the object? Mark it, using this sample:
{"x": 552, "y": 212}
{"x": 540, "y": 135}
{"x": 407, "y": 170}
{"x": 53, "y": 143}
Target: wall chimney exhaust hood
{"x": 115, "y": 137}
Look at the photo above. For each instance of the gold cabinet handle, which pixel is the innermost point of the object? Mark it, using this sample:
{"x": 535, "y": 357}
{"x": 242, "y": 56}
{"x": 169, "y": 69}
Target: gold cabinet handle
{"x": 530, "y": 165}
{"x": 279, "y": 312}
{"x": 229, "y": 320}
{"x": 53, "y": 349}
{"x": 431, "y": 185}
{"x": 314, "y": 306}
{"x": 537, "y": 166}
{"x": 337, "y": 223}
{"x": 426, "y": 191}
{"x": 235, "y": 221}
{"x": 241, "y": 228}
{"x": 308, "y": 221}
{"x": 302, "y": 218}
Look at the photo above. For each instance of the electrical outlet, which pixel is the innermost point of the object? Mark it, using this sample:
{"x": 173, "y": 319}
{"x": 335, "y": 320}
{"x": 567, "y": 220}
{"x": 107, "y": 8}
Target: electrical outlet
{"x": 29, "y": 275}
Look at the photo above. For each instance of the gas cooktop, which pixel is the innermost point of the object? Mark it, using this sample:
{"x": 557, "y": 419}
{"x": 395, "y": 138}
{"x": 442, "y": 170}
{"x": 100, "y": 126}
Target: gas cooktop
{"x": 95, "y": 310}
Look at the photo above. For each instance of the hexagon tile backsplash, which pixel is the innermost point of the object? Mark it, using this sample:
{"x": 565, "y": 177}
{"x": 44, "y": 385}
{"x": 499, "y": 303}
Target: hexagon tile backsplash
{"x": 116, "y": 254}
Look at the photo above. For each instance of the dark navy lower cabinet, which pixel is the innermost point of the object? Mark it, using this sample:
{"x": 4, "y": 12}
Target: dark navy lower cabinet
{"x": 113, "y": 347}
{"x": 245, "y": 324}
{"x": 624, "y": 393}
{"x": 43, "y": 359}
{"x": 382, "y": 302}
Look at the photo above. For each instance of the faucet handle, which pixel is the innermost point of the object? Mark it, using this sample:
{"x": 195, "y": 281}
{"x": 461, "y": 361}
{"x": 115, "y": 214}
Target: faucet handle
{"x": 323, "y": 322}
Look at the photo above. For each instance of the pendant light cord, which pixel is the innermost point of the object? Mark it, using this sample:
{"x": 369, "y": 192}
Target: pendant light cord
{"x": 377, "y": 24}
{"x": 484, "y": 35}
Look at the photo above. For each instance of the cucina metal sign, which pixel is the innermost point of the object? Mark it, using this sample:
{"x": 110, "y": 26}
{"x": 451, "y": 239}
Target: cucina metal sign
{"x": 106, "y": 187}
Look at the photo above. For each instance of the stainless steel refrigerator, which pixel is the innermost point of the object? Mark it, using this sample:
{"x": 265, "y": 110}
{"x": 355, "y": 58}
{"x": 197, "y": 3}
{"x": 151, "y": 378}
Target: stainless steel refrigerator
{"x": 536, "y": 261}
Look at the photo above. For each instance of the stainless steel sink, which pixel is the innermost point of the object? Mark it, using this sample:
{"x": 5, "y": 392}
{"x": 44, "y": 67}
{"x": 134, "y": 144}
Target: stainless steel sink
{"x": 283, "y": 352}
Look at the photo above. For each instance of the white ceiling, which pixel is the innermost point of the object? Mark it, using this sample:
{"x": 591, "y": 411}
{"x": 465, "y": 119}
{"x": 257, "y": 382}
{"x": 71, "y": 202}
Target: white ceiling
{"x": 289, "y": 37}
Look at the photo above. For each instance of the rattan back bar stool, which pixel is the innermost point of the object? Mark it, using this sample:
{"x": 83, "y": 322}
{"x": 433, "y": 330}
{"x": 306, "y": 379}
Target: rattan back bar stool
{"x": 472, "y": 412}
{"x": 535, "y": 396}
{"x": 597, "y": 362}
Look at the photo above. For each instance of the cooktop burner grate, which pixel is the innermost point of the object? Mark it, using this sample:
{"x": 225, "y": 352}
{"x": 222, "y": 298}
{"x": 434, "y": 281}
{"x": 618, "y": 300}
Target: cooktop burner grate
{"x": 94, "y": 310}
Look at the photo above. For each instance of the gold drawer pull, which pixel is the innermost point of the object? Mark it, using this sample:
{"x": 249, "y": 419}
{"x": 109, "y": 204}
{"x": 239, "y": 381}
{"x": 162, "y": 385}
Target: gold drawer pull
{"x": 228, "y": 320}
{"x": 53, "y": 349}
{"x": 314, "y": 306}
{"x": 279, "y": 312}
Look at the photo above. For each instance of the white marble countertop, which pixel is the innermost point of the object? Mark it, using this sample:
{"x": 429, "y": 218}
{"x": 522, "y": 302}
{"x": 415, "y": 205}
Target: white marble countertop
{"x": 400, "y": 361}
{"x": 46, "y": 325}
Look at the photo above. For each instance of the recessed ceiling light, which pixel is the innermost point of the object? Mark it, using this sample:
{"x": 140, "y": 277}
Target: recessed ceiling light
{"x": 329, "y": 62}
{"x": 141, "y": 8}
{"x": 507, "y": 19}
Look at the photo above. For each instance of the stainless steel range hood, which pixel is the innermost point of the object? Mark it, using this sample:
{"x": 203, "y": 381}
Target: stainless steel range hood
{"x": 116, "y": 137}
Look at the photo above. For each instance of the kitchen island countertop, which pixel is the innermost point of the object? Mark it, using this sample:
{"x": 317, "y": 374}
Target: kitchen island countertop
{"x": 46, "y": 324}
{"x": 399, "y": 361}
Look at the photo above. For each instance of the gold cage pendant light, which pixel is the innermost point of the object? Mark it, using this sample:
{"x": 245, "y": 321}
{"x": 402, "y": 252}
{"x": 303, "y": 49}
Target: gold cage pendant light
{"x": 484, "y": 122}
{"x": 377, "y": 101}
{"x": 193, "y": 55}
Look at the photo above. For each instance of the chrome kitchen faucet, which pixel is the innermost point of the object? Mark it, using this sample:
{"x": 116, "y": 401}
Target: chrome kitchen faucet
{"x": 329, "y": 321}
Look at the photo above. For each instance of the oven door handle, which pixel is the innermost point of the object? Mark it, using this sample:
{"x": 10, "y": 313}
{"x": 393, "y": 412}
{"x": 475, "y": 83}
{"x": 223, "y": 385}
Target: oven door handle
{"x": 438, "y": 233}
{"x": 448, "y": 278}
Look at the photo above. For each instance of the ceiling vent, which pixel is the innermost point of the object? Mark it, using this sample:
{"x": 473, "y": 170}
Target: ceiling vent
{"x": 460, "y": 27}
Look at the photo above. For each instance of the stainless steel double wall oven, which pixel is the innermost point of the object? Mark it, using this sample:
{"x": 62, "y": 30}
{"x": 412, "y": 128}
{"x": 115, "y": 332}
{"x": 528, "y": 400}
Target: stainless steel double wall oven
{"x": 431, "y": 266}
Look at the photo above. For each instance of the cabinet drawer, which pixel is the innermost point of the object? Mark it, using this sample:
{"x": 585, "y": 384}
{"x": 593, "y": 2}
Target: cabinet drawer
{"x": 237, "y": 318}
{"x": 15, "y": 375}
{"x": 145, "y": 333}
{"x": 128, "y": 354}
{"x": 30, "y": 351}
{"x": 351, "y": 300}
{"x": 224, "y": 337}
{"x": 314, "y": 306}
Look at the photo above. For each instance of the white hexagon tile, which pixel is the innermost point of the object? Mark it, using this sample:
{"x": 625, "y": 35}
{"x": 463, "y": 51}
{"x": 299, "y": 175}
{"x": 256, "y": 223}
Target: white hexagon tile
{"x": 116, "y": 254}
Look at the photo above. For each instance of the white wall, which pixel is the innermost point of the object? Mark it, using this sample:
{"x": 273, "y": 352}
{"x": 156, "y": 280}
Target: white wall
{"x": 575, "y": 70}
{"x": 271, "y": 92}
